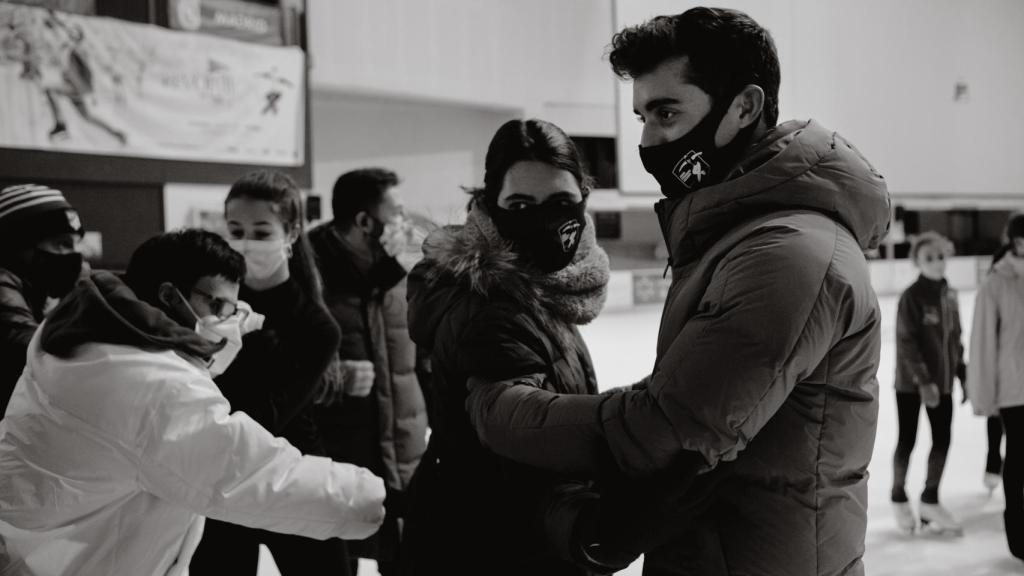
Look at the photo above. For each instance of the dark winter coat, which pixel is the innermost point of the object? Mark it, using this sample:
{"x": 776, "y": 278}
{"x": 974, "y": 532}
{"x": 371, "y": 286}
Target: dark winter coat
{"x": 929, "y": 349}
{"x": 386, "y": 430}
{"x": 21, "y": 311}
{"x": 767, "y": 357}
{"x": 280, "y": 368}
{"x": 480, "y": 314}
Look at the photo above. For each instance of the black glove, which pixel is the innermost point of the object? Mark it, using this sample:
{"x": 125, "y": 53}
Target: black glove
{"x": 590, "y": 548}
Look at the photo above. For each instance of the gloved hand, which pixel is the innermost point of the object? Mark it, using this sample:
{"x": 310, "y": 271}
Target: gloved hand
{"x": 930, "y": 395}
{"x": 357, "y": 376}
{"x": 590, "y": 546}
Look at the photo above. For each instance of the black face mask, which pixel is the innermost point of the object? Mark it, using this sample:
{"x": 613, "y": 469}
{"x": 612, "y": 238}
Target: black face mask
{"x": 55, "y": 273}
{"x": 692, "y": 161}
{"x": 546, "y": 234}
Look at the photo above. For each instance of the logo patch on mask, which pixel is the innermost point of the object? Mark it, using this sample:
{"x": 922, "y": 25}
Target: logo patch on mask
{"x": 73, "y": 220}
{"x": 691, "y": 169}
{"x": 570, "y": 235}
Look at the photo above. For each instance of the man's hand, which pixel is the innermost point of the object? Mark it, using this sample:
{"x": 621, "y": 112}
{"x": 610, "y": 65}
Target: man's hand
{"x": 357, "y": 376}
{"x": 930, "y": 395}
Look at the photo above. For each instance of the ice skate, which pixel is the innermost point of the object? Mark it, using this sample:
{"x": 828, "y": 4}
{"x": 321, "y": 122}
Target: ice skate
{"x": 991, "y": 481}
{"x": 905, "y": 519}
{"x": 936, "y": 519}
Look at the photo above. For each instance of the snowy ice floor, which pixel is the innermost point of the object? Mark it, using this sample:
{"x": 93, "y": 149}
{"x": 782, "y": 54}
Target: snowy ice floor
{"x": 623, "y": 344}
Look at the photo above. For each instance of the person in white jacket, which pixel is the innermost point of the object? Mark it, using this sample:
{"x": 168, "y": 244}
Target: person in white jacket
{"x": 995, "y": 375}
{"x": 117, "y": 443}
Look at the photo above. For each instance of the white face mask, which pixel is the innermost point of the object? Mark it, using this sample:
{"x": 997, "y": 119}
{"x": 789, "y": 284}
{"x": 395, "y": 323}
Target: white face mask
{"x": 395, "y": 236}
{"x": 262, "y": 257}
{"x": 230, "y": 330}
{"x": 216, "y": 330}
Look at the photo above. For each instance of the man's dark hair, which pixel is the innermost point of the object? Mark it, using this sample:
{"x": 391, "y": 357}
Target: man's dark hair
{"x": 726, "y": 50}
{"x": 358, "y": 191}
{"x": 181, "y": 257}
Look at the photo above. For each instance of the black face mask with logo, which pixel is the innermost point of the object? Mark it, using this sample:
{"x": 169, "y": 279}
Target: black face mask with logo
{"x": 692, "y": 161}
{"x": 546, "y": 234}
{"x": 56, "y": 274}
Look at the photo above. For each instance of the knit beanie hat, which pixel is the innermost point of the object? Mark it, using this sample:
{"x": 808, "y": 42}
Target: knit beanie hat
{"x": 1015, "y": 226}
{"x": 31, "y": 212}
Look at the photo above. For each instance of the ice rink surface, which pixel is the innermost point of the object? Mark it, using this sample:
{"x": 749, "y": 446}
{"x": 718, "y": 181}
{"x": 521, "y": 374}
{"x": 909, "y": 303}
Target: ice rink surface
{"x": 622, "y": 344}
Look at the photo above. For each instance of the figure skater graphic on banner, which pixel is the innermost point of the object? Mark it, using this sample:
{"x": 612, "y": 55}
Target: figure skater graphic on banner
{"x": 63, "y": 70}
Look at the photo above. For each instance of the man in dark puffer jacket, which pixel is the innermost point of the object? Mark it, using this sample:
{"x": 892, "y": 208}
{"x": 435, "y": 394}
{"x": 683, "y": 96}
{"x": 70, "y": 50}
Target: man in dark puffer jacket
{"x": 380, "y": 418}
{"x": 770, "y": 337}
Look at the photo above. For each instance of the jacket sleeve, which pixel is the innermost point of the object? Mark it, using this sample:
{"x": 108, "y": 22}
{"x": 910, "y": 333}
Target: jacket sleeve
{"x": 297, "y": 377}
{"x": 195, "y": 453}
{"x": 767, "y": 320}
{"x": 908, "y": 339}
{"x": 983, "y": 369}
{"x": 17, "y": 323}
{"x": 500, "y": 342}
{"x": 959, "y": 365}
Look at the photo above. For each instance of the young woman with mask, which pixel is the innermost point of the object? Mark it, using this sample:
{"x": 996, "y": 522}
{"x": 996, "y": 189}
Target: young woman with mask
{"x": 38, "y": 263}
{"x": 995, "y": 376}
{"x": 500, "y": 297}
{"x": 280, "y": 368}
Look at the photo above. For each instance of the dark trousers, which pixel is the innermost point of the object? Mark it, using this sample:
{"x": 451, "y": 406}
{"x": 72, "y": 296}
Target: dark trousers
{"x": 1013, "y": 478}
{"x": 228, "y": 549}
{"x": 994, "y": 460}
{"x": 908, "y": 409}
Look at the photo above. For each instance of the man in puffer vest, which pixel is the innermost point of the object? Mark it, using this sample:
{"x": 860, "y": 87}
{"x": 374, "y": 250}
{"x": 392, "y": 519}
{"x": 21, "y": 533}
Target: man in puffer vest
{"x": 117, "y": 443}
{"x": 770, "y": 337}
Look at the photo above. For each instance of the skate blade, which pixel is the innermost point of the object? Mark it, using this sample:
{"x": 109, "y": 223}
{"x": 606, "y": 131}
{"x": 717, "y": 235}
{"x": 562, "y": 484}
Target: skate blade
{"x": 936, "y": 530}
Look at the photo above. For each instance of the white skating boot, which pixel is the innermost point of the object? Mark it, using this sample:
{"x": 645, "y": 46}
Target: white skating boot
{"x": 991, "y": 481}
{"x": 905, "y": 519}
{"x": 937, "y": 520}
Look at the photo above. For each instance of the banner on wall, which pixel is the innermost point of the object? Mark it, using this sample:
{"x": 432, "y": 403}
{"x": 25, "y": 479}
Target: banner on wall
{"x": 238, "y": 19}
{"x": 72, "y": 83}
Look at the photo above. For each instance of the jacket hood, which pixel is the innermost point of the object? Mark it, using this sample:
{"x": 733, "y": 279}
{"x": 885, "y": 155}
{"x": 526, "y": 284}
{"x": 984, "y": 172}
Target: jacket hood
{"x": 799, "y": 165}
{"x": 103, "y": 309}
{"x": 474, "y": 258}
{"x": 1009, "y": 266}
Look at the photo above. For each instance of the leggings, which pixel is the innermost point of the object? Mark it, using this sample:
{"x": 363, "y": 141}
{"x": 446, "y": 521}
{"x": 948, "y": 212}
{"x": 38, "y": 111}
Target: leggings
{"x": 1013, "y": 478}
{"x": 994, "y": 461}
{"x": 908, "y": 409}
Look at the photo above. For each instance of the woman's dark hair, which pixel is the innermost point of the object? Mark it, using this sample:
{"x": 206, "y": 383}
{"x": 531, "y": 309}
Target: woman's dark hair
{"x": 283, "y": 194}
{"x": 358, "y": 191}
{"x": 528, "y": 140}
{"x": 181, "y": 257}
{"x": 1014, "y": 229}
{"x": 726, "y": 50}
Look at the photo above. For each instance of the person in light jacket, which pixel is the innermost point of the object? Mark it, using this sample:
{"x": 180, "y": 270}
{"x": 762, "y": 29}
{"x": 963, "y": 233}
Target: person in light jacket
{"x": 995, "y": 376}
{"x": 117, "y": 442}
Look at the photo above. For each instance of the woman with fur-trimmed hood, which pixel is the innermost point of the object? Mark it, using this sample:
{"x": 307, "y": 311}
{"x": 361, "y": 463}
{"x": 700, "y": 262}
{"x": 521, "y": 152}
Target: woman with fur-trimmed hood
{"x": 500, "y": 297}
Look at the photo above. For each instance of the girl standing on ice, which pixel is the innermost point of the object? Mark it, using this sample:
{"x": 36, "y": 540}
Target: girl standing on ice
{"x": 997, "y": 369}
{"x": 929, "y": 353}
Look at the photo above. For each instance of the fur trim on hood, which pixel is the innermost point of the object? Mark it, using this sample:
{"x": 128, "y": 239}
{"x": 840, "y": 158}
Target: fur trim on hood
{"x": 475, "y": 255}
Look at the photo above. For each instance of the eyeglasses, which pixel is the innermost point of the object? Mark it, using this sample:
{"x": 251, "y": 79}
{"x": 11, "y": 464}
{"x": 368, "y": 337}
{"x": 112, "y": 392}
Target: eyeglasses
{"x": 220, "y": 307}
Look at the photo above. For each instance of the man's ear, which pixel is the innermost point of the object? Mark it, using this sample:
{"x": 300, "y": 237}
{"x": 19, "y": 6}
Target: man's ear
{"x": 165, "y": 293}
{"x": 750, "y": 101}
{"x": 363, "y": 221}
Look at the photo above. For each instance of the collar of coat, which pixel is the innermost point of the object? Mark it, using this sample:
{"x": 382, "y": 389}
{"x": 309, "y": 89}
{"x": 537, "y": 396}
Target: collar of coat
{"x": 476, "y": 256}
{"x": 103, "y": 309}
{"x": 799, "y": 165}
{"x": 341, "y": 270}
